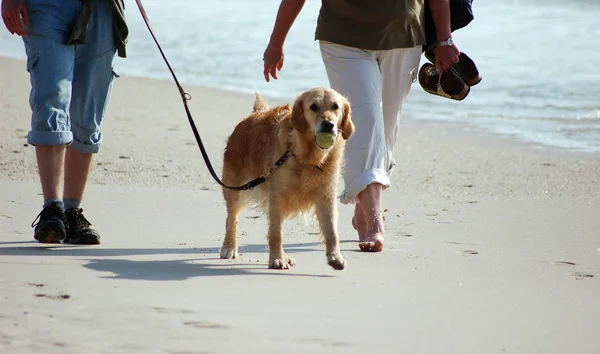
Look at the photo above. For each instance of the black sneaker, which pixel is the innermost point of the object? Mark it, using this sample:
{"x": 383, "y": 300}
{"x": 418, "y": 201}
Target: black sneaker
{"x": 50, "y": 225}
{"x": 79, "y": 231}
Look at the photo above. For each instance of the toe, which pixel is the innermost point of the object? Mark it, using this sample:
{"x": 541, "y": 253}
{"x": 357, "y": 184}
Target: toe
{"x": 378, "y": 246}
{"x": 371, "y": 245}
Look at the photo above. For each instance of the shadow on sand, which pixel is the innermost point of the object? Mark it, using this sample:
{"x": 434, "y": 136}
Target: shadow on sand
{"x": 103, "y": 260}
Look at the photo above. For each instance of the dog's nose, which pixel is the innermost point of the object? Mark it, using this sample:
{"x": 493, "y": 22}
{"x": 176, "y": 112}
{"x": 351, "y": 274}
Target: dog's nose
{"x": 327, "y": 126}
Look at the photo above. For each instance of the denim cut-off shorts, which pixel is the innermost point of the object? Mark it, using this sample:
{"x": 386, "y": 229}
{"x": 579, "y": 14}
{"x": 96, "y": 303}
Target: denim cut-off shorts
{"x": 70, "y": 84}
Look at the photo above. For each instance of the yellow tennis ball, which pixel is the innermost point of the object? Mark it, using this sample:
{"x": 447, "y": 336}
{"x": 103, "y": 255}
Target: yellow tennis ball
{"x": 325, "y": 140}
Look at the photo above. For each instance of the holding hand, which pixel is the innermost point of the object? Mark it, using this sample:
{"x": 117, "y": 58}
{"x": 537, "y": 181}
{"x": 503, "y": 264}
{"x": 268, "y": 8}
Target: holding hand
{"x": 272, "y": 61}
{"x": 273, "y": 56}
{"x": 15, "y": 17}
{"x": 445, "y": 56}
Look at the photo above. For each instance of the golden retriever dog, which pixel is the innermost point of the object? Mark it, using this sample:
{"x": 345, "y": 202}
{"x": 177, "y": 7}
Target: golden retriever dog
{"x": 306, "y": 181}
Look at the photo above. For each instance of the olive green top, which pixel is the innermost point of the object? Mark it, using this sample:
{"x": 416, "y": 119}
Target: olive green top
{"x": 372, "y": 24}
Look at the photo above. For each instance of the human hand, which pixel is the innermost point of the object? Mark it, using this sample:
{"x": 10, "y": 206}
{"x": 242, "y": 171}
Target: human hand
{"x": 445, "y": 56}
{"x": 272, "y": 61}
{"x": 14, "y": 15}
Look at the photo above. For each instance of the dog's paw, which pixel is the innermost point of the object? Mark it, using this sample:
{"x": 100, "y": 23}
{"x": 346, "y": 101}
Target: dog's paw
{"x": 282, "y": 263}
{"x": 336, "y": 261}
{"x": 228, "y": 253}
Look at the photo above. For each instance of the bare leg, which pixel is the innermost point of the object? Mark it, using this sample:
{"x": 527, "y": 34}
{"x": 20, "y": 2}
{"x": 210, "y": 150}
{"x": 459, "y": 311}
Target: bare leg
{"x": 77, "y": 168}
{"x": 359, "y": 223}
{"x": 50, "y": 161}
{"x": 370, "y": 199}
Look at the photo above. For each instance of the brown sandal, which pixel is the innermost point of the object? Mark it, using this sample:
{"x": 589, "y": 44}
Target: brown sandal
{"x": 465, "y": 67}
{"x": 449, "y": 84}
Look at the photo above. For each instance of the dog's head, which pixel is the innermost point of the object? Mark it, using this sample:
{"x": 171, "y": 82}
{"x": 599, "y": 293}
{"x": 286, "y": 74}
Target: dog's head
{"x": 322, "y": 110}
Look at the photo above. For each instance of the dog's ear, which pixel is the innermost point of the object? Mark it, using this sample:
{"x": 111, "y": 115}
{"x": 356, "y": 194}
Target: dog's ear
{"x": 347, "y": 127}
{"x": 298, "y": 119}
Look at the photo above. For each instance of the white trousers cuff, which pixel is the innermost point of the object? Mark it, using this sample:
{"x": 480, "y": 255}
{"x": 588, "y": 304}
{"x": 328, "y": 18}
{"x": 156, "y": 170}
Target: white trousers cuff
{"x": 350, "y": 194}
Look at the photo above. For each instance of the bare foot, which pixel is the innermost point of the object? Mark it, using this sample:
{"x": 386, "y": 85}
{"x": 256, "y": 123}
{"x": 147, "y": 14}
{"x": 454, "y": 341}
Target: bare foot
{"x": 359, "y": 223}
{"x": 371, "y": 240}
{"x": 372, "y": 244}
{"x": 374, "y": 237}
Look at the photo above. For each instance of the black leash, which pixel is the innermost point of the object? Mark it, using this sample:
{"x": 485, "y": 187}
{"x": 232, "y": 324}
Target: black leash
{"x": 186, "y": 97}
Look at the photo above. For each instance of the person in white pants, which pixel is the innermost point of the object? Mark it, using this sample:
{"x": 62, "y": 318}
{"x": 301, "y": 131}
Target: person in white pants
{"x": 371, "y": 51}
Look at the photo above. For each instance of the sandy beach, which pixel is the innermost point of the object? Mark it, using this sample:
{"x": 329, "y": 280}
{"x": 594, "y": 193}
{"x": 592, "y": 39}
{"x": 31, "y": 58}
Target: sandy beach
{"x": 492, "y": 246}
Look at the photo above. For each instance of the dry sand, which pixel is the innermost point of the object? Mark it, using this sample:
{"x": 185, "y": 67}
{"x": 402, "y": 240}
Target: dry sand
{"x": 491, "y": 246}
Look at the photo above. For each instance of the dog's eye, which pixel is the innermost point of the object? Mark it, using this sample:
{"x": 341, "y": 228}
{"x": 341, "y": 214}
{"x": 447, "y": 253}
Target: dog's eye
{"x": 314, "y": 107}
{"x": 335, "y": 106}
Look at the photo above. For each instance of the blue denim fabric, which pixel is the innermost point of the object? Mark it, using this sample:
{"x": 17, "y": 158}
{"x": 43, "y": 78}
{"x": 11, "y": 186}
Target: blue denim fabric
{"x": 70, "y": 85}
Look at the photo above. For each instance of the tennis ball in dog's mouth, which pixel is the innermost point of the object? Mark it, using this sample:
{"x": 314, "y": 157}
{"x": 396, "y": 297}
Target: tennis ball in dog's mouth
{"x": 325, "y": 140}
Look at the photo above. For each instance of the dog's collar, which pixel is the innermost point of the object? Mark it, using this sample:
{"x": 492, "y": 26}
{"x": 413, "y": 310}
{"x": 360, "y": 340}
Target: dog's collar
{"x": 290, "y": 152}
{"x": 250, "y": 185}
{"x": 281, "y": 160}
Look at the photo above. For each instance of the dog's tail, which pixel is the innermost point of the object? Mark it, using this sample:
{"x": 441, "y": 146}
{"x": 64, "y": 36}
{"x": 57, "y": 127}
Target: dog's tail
{"x": 260, "y": 104}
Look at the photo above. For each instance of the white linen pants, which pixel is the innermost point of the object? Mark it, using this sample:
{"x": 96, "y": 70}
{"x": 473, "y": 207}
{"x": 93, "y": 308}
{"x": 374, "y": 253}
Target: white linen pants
{"x": 377, "y": 84}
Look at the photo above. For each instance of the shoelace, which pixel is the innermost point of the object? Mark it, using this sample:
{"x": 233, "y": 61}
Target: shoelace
{"x": 79, "y": 219}
{"x": 49, "y": 210}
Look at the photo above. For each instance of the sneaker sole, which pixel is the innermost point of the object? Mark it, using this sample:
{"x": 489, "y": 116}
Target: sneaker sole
{"x": 49, "y": 236}
{"x": 83, "y": 241}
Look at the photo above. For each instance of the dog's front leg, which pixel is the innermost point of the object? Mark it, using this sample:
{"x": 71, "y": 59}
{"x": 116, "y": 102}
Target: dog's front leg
{"x": 277, "y": 257}
{"x": 327, "y": 215}
{"x": 234, "y": 205}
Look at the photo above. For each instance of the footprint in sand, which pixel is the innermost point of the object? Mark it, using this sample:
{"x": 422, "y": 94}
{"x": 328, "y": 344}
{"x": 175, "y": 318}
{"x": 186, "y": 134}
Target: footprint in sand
{"x": 54, "y": 297}
{"x": 205, "y": 325}
{"x": 166, "y": 310}
{"x": 565, "y": 263}
{"x": 37, "y": 285}
{"x": 581, "y": 276}
{"x": 325, "y": 342}
{"x": 467, "y": 252}
{"x": 576, "y": 275}
{"x": 461, "y": 243}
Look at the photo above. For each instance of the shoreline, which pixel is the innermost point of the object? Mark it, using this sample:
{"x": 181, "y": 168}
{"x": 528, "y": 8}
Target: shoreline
{"x": 407, "y": 118}
{"x": 130, "y": 156}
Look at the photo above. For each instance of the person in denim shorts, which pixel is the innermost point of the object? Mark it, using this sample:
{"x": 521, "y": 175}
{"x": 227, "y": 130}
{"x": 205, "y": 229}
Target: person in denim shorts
{"x": 70, "y": 47}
